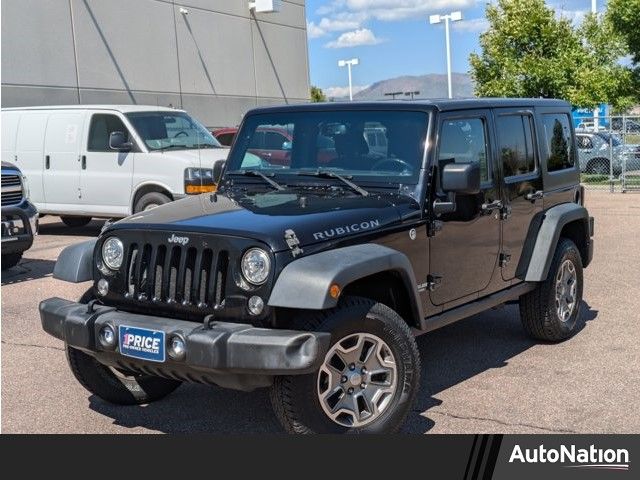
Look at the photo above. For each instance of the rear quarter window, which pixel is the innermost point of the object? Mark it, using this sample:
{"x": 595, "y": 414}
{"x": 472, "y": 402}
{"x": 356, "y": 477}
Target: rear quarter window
{"x": 559, "y": 151}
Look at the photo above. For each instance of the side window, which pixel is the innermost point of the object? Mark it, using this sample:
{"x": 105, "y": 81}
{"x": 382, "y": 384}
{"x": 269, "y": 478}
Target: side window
{"x": 515, "y": 145}
{"x": 584, "y": 142}
{"x": 101, "y": 127}
{"x": 464, "y": 141}
{"x": 226, "y": 139}
{"x": 558, "y": 138}
{"x": 257, "y": 140}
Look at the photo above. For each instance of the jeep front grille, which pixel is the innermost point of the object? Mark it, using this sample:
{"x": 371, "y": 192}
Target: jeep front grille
{"x": 11, "y": 190}
{"x": 174, "y": 274}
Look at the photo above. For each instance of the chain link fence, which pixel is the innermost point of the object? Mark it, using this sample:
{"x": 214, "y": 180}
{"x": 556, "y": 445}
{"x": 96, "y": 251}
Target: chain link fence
{"x": 609, "y": 153}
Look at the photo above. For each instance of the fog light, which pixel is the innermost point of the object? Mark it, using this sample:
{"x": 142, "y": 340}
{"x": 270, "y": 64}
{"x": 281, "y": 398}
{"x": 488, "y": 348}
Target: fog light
{"x": 107, "y": 336}
{"x": 177, "y": 348}
{"x": 256, "y": 305}
{"x": 103, "y": 287}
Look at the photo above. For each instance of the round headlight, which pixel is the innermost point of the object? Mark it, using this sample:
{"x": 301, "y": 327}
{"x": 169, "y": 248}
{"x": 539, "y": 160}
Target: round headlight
{"x": 255, "y": 266}
{"x": 112, "y": 253}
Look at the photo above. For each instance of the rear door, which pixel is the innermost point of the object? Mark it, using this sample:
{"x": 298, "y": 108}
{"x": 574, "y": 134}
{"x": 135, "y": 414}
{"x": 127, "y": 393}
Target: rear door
{"x": 30, "y": 153}
{"x": 522, "y": 182}
{"x": 61, "y": 175}
{"x": 106, "y": 175}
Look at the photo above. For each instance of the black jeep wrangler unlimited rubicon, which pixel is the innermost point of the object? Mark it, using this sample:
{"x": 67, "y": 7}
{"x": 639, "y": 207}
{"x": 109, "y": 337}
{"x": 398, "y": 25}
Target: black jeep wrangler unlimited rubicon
{"x": 326, "y": 251}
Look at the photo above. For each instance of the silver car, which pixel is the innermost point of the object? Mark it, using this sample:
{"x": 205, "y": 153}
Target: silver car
{"x": 602, "y": 152}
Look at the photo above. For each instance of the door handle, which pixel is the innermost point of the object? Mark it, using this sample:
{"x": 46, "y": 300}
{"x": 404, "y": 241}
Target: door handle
{"x": 47, "y": 162}
{"x": 84, "y": 162}
{"x": 490, "y": 207}
{"x": 532, "y": 196}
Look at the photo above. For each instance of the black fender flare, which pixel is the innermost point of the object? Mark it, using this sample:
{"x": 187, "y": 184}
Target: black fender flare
{"x": 75, "y": 263}
{"x": 547, "y": 236}
{"x": 305, "y": 282}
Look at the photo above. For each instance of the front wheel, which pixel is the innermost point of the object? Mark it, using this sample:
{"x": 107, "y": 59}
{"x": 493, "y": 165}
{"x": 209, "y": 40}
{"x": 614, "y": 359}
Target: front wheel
{"x": 149, "y": 201}
{"x": 75, "y": 222}
{"x": 368, "y": 379}
{"x": 551, "y": 312}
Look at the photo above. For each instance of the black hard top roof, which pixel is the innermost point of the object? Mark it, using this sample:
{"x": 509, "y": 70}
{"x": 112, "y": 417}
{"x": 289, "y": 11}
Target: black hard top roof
{"x": 442, "y": 105}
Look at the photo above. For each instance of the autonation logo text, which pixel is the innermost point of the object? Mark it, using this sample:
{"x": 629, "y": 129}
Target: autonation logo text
{"x": 573, "y": 457}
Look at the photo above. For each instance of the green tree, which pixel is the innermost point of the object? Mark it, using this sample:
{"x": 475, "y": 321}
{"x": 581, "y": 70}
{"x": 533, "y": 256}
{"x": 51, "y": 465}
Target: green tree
{"x": 624, "y": 15}
{"x": 529, "y": 52}
{"x": 317, "y": 95}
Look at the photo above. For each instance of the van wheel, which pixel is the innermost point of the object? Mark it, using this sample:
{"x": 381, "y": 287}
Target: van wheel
{"x": 75, "y": 221}
{"x": 368, "y": 380}
{"x": 150, "y": 200}
{"x": 551, "y": 312}
{"x": 10, "y": 260}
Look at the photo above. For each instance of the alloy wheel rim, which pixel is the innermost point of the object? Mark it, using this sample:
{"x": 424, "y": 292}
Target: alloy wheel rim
{"x": 357, "y": 380}
{"x": 566, "y": 290}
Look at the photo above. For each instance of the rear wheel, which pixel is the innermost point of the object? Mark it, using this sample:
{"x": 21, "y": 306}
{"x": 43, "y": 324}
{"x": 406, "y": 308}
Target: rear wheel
{"x": 75, "y": 221}
{"x": 150, "y": 200}
{"x": 551, "y": 312}
{"x": 368, "y": 380}
{"x": 10, "y": 260}
{"x": 599, "y": 166}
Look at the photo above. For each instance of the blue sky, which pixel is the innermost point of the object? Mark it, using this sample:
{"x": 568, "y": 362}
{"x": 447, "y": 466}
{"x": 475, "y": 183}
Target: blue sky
{"x": 393, "y": 37}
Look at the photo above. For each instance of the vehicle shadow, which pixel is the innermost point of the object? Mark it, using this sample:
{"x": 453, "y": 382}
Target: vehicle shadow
{"x": 27, "y": 269}
{"x": 449, "y": 356}
{"x": 58, "y": 228}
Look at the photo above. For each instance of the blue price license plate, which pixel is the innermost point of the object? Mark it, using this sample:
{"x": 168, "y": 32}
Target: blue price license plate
{"x": 142, "y": 343}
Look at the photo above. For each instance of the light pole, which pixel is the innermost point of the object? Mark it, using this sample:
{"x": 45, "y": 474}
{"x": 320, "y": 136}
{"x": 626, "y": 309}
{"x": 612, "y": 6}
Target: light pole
{"x": 349, "y": 64}
{"x": 454, "y": 17}
{"x": 596, "y": 111}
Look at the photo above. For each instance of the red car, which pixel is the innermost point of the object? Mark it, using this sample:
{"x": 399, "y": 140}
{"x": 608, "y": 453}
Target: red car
{"x": 274, "y": 144}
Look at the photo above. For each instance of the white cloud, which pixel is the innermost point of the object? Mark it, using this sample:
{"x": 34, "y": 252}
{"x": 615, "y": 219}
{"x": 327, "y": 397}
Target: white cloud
{"x": 314, "y": 31}
{"x": 393, "y": 10}
{"x": 362, "y": 36}
{"x": 473, "y": 25}
{"x": 342, "y": 92}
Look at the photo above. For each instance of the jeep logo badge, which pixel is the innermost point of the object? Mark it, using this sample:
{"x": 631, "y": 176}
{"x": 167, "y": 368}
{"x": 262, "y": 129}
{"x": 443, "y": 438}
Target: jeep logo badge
{"x": 181, "y": 240}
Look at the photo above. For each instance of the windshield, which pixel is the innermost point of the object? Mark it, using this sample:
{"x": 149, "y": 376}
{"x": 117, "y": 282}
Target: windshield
{"x": 375, "y": 146}
{"x": 171, "y": 130}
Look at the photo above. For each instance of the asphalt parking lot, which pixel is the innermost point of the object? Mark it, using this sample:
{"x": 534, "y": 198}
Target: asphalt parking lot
{"x": 481, "y": 375}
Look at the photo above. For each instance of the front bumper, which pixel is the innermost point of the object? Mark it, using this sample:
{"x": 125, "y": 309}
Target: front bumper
{"x": 19, "y": 225}
{"x": 231, "y": 355}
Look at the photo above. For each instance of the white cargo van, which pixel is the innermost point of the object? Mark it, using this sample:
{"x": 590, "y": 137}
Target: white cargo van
{"x": 108, "y": 160}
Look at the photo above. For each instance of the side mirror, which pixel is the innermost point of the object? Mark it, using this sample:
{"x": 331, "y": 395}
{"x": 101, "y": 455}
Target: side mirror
{"x": 463, "y": 178}
{"x": 457, "y": 178}
{"x": 118, "y": 141}
{"x": 218, "y": 168}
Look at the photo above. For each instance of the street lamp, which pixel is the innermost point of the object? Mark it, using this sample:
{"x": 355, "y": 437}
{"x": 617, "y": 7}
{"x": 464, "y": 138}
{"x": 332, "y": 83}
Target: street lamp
{"x": 349, "y": 64}
{"x": 454, "y": 17}
{"x": 596, "y": 111}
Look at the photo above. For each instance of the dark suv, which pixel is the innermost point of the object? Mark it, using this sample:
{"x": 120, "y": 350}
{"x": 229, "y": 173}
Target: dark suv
{"x": 19, "y": 216}
{"x": 313, "y": 278}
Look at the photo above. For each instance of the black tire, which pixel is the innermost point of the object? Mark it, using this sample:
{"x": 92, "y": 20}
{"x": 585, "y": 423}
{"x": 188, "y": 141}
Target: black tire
{"x": 75, "y": 221}
{"x": 121, "y": 388}
{"x": 10, "y": 260}
{"x": 150, "y": 200}
{"x": 599, "y": 166}
{"x": 538, "y": 310}
{"x": 295, "y": 398}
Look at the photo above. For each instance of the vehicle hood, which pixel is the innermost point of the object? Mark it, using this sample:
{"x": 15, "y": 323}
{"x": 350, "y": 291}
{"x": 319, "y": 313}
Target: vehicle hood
{"x": 205, "y": 157}
{"x": 265, "y": 216}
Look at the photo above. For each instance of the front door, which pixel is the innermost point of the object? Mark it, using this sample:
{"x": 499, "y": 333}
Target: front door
{"x": 522, "y": 191}
{"x": 464, "y": 253}
{"x": 106, "y": 174}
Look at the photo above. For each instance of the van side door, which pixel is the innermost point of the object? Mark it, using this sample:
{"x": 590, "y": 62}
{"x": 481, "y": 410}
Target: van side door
{"x": 61, "y": 175}
{"x": 106, "y": 175}
{"x": 29, "y": 152}
{"x": 518, "y": 158}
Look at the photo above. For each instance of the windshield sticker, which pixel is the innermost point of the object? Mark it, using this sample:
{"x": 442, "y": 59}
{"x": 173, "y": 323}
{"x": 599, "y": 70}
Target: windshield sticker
{"x": 345, "y": 229}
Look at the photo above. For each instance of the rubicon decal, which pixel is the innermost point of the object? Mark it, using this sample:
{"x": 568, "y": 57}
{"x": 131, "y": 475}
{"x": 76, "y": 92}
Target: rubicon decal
{"x": 345, "y": 229}
{"x": 572, "y": 457}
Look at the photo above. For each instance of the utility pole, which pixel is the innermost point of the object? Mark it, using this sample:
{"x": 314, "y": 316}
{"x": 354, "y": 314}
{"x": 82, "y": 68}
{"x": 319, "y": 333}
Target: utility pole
{"x": 454, "y": 17}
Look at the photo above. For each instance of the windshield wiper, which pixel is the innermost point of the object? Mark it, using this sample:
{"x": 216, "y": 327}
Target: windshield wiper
{"x": 329, "y": 174}
{"x": 256, "y": 173}
{"x": 167, "y": 147}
